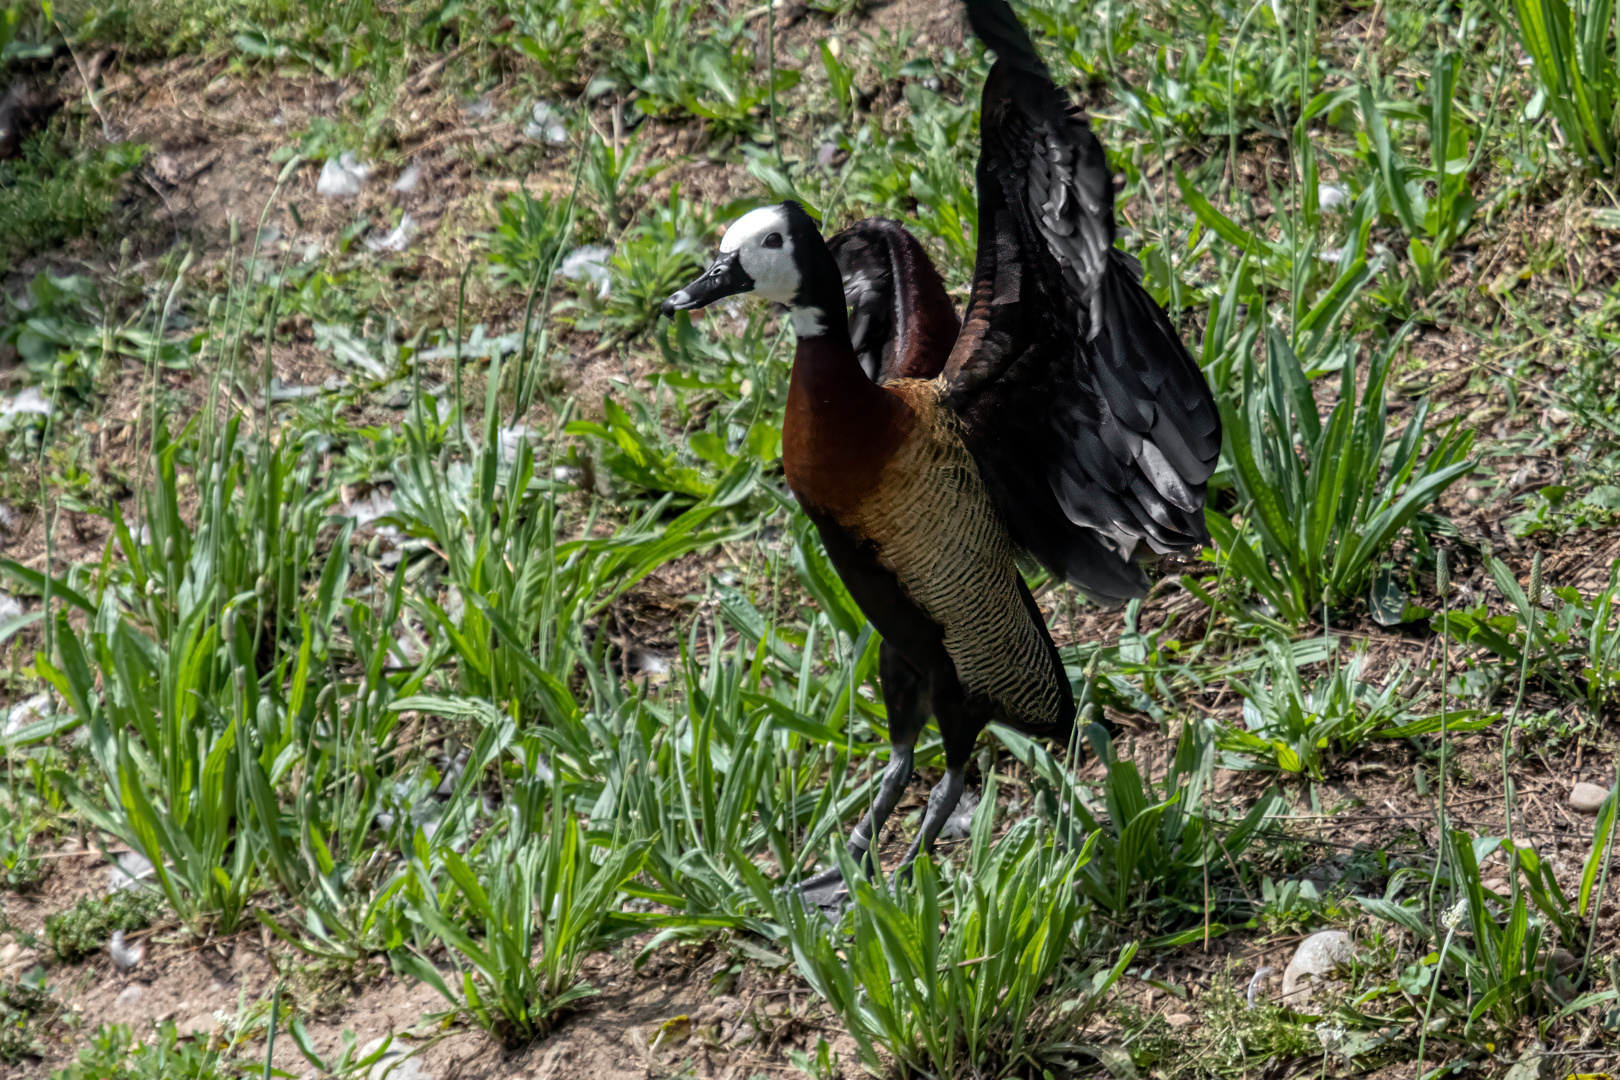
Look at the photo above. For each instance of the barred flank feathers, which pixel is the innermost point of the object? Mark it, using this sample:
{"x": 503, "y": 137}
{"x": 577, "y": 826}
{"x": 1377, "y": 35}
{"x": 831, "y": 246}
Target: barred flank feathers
{"x": 938, "y": 531}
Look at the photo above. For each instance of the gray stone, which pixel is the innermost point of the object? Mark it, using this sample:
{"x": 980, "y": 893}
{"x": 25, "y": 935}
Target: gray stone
{"x": 130, "y": 995}
{"x": 15, "y": 956}
{"x": 1536, "y": 1064}
{"x": 395, "y": 1064}
{"x": 1587, "y": 798}
{"x": 1179, "y": 1020}
{"x": 1314, "y": 960}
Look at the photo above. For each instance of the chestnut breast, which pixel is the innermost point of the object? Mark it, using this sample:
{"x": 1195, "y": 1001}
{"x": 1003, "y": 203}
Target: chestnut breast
{"x": 926, "y": 514}
{"x": 840, "y": 429}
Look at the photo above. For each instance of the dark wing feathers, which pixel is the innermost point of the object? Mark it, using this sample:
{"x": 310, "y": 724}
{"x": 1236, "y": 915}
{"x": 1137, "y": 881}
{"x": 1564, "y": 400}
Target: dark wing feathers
{"x": 1071, "y": 194}
{"x": 1087, "y": 415}
{"x": 1184, "y": 424}
{"x": 996, "y": 25}
{"x": 868, "y": 273}
{"x": 902, "y": 321}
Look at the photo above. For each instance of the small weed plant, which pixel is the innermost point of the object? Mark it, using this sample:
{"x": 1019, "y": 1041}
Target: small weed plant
{"x": 85, "y": 928}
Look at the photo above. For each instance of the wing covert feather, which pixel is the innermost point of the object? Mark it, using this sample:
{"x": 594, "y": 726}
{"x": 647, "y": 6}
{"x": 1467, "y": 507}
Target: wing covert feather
{"x": 902, "y": 321}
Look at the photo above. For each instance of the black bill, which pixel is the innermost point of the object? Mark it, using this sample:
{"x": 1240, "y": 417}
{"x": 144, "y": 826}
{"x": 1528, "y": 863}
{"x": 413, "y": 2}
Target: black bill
{"x": 725, "y": 278}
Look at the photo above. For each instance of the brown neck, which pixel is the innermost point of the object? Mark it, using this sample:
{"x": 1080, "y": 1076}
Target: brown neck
{"x": 841, "y": 428}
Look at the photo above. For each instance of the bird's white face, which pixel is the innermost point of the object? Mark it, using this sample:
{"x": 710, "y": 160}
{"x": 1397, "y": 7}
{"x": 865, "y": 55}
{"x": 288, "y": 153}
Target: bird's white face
{"x": 765, "y": 247}
{"x": 756, "y": 255}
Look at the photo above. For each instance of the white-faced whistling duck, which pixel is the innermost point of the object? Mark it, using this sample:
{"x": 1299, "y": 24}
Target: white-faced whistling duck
{"x": 1064, "y": 419}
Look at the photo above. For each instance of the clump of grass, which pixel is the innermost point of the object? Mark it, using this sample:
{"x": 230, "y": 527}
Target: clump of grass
{"x": 21, "y": 1004}
{"x": 52, "y": 196}
{"x": 1300, "y": 730}
{"x": 525, "y": 239}
{"x": 114, "y": 1053}
{"x": 958, "y": 1001}
{"x": 20, "y": 865}
{"x": 1572, "y": 48}
{"x": 1318, "y": 493}
{"x": 540, "y": 894}
{"x": 1233, "y": 1033}
{"x": 86, "y": 927}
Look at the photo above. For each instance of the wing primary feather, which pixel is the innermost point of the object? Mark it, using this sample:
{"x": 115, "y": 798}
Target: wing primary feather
{"x": 1094, "y": 428}
{"x": 996, "y": 24}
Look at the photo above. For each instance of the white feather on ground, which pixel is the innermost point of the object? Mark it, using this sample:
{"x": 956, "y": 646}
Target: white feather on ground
{"x": 131, "y": 869}
{"x": 1254, "y": 984}
{"x": 124, "y": 956}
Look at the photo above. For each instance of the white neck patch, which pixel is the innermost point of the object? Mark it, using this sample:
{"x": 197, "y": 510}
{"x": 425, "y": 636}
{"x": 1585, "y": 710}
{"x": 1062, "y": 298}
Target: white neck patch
{"x": 808, "y": 321}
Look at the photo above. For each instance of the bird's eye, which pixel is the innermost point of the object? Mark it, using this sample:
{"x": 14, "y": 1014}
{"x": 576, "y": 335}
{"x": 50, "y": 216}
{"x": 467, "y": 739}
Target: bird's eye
{"x": 774, "y": 240}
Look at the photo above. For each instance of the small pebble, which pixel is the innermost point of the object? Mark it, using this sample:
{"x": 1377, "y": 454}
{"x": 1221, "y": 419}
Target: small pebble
{"x": 130, "y": 995}
{"x": 1587, "y": 798}
{"x": 1475, "y": 494}
{"x": 1178, "y": 1020}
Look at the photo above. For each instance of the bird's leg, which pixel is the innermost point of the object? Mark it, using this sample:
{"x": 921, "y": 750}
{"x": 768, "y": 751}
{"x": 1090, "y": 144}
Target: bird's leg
{"x": 941, "y": 801}
{"x": 891, "y": 787}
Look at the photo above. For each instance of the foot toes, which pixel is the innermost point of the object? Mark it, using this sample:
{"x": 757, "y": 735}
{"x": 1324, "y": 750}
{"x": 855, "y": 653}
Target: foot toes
{"x": 830, "y": 898}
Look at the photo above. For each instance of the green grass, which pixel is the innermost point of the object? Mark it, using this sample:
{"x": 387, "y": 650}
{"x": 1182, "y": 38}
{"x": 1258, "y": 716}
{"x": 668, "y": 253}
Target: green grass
{"x": 115, "y": 1052}
{"x": 54, "y": 196}
{"x": 85, "y": 928}
{"x": 596, "y": 679}
{"x": 989, "y": 989}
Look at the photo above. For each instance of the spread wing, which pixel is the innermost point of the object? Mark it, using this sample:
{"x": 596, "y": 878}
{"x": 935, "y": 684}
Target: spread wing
{"x": 901, "y": 320}
{"x": 1089, "y": 419}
